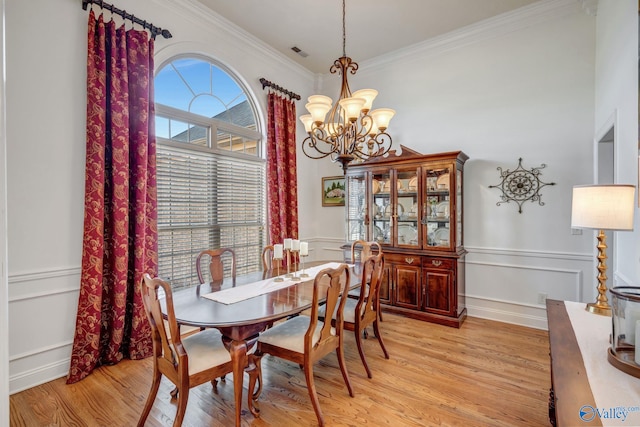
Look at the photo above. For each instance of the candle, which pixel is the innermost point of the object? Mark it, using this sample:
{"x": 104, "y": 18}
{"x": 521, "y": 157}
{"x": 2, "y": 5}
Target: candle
{"x": 632, "y": 316}
{"x": 295, "y": 245}
{"x": 304, "y": 248}
{"x": 277, "y": 251}
{"x": 287, "y": 244}
{"x": 637, "y": 355}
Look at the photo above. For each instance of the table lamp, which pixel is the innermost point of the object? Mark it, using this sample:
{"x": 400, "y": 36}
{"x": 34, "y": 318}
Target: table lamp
{"x": 602, "y": 207}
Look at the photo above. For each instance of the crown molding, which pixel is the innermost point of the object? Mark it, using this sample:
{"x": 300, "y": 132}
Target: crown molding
{"x": 496, "y": 26}
{"x": 194, "y": 12}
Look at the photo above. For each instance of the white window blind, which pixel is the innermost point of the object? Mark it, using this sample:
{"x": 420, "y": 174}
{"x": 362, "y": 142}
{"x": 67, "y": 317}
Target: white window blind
{"x": 207, "y": 200}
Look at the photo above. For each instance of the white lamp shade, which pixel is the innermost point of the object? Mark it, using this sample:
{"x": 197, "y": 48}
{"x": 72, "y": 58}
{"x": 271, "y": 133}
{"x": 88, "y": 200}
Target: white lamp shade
{"x": 321, "y": 99}
{"x": 318, "y": 110}
{"x": 352, "y": 107}
{"x": 307, "y": 119}
{"x": 368, "y": 95}
{"x": 382, "y": 117}
{"x": 603, "y": 207}
{"x": 368, "y": 122}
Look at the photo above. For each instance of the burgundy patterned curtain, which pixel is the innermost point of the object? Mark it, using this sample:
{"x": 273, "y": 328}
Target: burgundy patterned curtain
{"x": 120, "y": 232}
{"x": 282, "y": 182}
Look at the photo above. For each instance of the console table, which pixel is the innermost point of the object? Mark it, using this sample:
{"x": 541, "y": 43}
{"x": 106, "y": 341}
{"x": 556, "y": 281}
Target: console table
{"x": 585, "y": 388}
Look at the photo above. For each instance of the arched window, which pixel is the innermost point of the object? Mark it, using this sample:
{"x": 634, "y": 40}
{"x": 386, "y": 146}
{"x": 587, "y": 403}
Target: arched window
{"x": 211, "y": 170}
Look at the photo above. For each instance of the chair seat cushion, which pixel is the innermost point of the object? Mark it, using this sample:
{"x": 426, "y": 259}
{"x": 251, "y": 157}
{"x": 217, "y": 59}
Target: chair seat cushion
{"x": 349, "y": 311}
{"x": 205, "y": 350}
{"x": 290, "y": 334}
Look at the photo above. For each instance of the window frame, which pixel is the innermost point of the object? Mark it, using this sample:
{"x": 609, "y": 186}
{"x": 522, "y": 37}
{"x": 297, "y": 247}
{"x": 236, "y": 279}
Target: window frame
{"x": 214, "y": 126}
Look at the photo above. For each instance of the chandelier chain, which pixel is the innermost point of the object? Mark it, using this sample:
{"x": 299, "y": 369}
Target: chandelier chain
{"x": 344, "y": 29}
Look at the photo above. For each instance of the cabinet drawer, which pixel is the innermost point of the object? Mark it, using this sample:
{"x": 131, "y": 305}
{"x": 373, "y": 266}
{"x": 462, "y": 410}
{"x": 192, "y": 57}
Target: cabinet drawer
{"x": 400, "y": 259}
{"x": 443, "y": 263}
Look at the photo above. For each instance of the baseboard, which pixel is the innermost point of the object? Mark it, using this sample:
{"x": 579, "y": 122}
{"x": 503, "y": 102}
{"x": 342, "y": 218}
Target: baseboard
{"x": 532, "y": 316}
{"x": 37, "y": 376}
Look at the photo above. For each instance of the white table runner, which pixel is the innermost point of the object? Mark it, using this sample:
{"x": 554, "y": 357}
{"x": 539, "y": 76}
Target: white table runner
{"x": 617, "y": 395}
{"x": 251, "y": 290}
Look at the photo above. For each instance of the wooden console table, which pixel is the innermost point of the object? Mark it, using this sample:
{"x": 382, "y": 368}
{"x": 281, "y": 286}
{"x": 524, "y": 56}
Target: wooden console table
{"x": 570, "y": 389}
{"x": 580, "y": 394}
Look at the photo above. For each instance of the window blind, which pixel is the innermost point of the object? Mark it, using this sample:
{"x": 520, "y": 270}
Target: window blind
{"x": 208, "y": 200}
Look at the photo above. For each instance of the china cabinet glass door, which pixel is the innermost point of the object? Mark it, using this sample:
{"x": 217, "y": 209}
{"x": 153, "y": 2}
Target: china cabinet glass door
{"x": 381, "y": 207}
{"x": 406, "y": 208}
{"x": 459, "y": 208}
{"x": 356, "y": 208}
{"x": 437, "y": 206}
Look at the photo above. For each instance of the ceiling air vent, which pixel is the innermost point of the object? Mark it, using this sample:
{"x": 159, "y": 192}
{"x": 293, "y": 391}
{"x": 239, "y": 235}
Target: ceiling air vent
{"x": 300, "y": 52}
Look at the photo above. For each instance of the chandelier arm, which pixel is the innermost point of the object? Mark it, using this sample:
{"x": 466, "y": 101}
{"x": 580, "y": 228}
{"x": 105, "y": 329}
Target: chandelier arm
{"x": 377, "y": 145}
{"x": 310, "y": 149}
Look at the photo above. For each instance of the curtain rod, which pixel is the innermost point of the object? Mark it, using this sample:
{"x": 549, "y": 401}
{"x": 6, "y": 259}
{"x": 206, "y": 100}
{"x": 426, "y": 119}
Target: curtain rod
{"x": 291, "y": 95}
{"x": 146, "y": 25}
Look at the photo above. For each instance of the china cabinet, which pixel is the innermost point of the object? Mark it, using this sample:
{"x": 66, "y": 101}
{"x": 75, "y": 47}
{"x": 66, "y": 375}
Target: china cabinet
{"x": 412, "y": 205}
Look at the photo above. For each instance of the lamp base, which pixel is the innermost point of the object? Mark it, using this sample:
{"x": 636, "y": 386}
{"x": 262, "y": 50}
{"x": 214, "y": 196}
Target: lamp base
{"x": 599, "y": 308}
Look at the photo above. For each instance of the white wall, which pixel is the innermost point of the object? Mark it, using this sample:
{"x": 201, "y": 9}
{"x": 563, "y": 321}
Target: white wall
{"x": 4, "y": 289}
{"x": 521, "y": 85}
{"x": 616, "y": 97}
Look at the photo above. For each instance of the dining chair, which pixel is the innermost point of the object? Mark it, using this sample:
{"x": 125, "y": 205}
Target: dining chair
{"x": 186, "y": 362}
{"x": 217, "y": 258}
{"x": 305, "y": 339}
{"x": 268, "y": 263}
{"x": 364, "y": 312}
{"x": 361, "y": 250}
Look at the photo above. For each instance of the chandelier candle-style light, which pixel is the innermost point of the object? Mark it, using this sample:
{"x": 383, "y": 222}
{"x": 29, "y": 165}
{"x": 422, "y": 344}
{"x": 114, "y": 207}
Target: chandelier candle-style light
{"x": 352, "y": 131}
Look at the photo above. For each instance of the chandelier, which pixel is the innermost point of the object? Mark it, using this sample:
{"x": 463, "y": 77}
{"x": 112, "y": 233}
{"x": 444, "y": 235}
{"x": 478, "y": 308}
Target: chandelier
{"x": 351, "y": 131}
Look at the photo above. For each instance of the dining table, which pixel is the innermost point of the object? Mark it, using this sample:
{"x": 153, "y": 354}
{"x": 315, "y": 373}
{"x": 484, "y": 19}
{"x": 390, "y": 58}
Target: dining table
{"x": 254, "y": 301}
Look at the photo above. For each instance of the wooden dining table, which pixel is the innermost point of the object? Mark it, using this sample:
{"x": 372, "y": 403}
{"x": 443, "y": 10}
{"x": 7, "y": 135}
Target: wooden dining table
{"x": 241, "y": 322}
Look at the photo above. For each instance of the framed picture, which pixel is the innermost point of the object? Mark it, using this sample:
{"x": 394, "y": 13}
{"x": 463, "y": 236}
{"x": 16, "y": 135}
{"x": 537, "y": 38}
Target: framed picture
{"x": 333, "y": 191}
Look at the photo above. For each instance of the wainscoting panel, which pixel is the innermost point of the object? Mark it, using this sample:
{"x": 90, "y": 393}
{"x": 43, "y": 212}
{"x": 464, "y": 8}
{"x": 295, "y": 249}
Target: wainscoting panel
{"x": 42, "y": 313}
{"x": 511, "y": 285}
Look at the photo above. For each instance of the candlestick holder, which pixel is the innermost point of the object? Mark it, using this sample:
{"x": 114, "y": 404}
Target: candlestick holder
{"x": 277, "y": 262}
{"x": 289, "y": 275}
{"x": 303, "y": 274}
{"x": 294, "y": 277}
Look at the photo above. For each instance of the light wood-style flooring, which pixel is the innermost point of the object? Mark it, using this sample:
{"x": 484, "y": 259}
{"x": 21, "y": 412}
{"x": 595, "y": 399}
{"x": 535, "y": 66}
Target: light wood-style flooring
{"x": 484, "y": 374}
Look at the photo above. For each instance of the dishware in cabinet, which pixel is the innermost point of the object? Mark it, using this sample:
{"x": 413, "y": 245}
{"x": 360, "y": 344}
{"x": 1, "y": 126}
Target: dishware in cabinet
{"x": 438, "y": 206}
{"x": 407, "y": 222}
{"x": 357, "y": 213}
{"x": 382, "y": 208}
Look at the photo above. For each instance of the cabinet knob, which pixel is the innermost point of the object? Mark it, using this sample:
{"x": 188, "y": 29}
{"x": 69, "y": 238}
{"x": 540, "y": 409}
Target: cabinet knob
{"x": 409, "y": 260}
{"x": 436, "y": 262}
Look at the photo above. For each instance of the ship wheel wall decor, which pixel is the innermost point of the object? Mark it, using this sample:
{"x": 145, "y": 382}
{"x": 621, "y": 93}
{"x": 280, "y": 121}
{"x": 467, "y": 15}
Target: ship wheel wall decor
{"x": 521, "y": 185}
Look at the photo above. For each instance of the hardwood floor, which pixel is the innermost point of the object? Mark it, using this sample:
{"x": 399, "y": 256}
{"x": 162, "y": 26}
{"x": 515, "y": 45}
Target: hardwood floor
{"x": 484, "y": 374}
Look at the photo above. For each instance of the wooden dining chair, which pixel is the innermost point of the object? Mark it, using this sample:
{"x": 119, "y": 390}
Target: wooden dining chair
{"x": 268, "y": 263}
{"x": 305, "y": 339}
{"x": 363, "y": 312}
{"x": 361, "y": 250}
{"x": 186, "y": 362}
{"x": 217, "y": 258}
